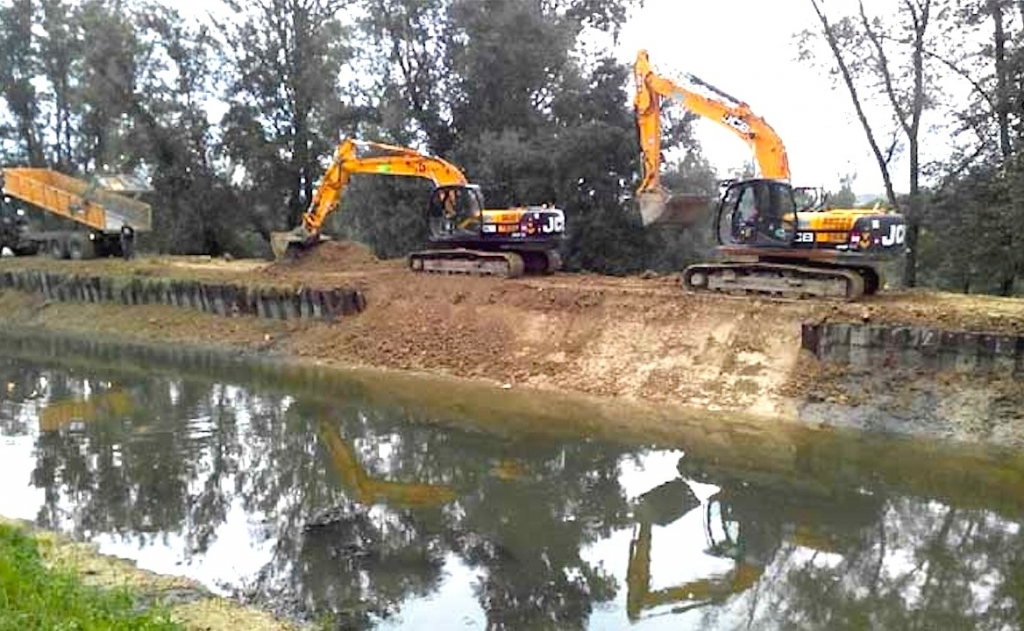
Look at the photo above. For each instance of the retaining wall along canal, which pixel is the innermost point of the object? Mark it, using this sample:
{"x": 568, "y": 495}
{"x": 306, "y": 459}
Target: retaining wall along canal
{"x": 887, "y": 346}
{"x": 225, "y": 299}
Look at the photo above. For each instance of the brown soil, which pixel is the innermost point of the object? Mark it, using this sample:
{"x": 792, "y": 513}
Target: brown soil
{"x": 634, "y": 337}
{"x": 334, "y": 256}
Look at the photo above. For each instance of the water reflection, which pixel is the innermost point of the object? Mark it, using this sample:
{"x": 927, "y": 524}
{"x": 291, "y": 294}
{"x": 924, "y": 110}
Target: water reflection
{"x": 317, "y": 506}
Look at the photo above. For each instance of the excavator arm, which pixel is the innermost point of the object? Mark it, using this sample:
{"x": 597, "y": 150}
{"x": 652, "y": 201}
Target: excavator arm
{"x": 727, "y": 111}
{"x": 367, "y": 490}
{"x": 397, "y": 161}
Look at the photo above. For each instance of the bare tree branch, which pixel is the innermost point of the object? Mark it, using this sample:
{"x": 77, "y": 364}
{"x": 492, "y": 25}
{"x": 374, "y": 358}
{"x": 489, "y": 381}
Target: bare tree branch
{"x": 883, "y": 69}
{"x": 960, "y": 72}
{"x": 844, "y": 69}
{"x": 892, "y": 146}
{"x": 962, "y": 166}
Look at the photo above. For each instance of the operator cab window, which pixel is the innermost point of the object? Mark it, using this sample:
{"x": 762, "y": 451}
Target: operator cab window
{"x": 455, "y": 210}
{"x": 759, "y": 211}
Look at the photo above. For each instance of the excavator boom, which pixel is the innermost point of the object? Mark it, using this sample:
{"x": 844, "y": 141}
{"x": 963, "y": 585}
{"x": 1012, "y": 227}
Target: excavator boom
{"x": 656, "y": 205}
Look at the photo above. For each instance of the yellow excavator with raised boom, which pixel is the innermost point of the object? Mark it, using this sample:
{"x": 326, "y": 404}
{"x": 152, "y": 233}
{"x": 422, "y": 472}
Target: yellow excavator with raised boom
{"x": 766, "y": 243}
{"x": 464, "y": 237}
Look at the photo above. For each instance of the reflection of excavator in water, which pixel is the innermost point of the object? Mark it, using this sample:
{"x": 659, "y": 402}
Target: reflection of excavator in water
{"x": 108, "y": 404}
{"x": 768, "y": 245}
{"x": 367, "y": 490}
{"x": 465, "y": 238}
{"x": 745, "y": 521}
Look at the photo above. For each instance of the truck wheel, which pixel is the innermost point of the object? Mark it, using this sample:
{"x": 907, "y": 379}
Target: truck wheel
{"x": 57, "y": 249}
{"x": 80, "y": 248}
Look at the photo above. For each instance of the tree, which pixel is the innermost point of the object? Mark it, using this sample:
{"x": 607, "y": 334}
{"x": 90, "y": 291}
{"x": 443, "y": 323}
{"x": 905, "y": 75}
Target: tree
{"x": 844, "y": 197}
{"x": 18, "y": 67}
{"x": 977, "y": 198}
{"x": 284, "y": 59}
{"x": 504, "y": 94}
{"x": 869, "y": 52}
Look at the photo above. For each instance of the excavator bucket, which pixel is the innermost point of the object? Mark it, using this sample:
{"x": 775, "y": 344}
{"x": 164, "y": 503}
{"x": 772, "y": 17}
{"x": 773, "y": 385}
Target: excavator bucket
{"x": 290, "y": 244}
{"x": 660, "y": 208}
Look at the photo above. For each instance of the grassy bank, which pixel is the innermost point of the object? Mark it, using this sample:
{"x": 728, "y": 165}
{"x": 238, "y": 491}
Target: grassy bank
{"x": 35, "y": 596}
{"x": 50, "y": 582}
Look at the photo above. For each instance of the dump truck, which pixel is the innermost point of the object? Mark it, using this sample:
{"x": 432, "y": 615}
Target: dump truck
{"x": 42, "y": 210}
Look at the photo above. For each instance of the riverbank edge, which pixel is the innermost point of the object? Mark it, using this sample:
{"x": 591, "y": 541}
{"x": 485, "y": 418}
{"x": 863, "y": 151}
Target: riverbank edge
{"x": 189, "y": 603}
{"x": 824, "y": 397}
{"x": 725, "y": 438}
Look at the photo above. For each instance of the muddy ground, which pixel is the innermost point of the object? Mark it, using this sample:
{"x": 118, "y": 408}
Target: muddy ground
{"x": 635, "y": 337}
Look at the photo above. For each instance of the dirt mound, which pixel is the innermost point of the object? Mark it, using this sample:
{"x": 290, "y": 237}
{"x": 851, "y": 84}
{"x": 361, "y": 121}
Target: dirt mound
{"x": 330, "y": 256}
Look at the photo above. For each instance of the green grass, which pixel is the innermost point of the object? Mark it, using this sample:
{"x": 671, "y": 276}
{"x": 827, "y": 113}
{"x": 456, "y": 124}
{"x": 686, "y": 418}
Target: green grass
{"x": 35, "y": 597}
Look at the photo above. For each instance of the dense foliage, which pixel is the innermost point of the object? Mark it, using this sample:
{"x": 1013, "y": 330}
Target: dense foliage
{"x": 505, "y": 93}
{"x": 233, "y": 119}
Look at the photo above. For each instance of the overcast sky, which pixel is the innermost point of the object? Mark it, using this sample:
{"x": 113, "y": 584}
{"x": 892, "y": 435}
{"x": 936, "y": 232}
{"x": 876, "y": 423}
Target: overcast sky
{"x": 747, "y": 48}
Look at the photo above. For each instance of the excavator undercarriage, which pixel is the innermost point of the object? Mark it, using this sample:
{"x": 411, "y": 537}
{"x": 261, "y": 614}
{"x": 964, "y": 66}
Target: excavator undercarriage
{"x": 786, "y": 274}
{"x": 483, "y": 263}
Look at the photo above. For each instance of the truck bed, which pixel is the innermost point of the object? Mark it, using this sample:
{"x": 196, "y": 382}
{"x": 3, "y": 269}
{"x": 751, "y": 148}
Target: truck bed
{"x": 76, "y": 199}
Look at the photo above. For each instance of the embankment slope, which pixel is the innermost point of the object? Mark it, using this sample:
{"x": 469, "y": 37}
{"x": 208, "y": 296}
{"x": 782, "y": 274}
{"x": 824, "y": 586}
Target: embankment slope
{"x": 637, "y": 338}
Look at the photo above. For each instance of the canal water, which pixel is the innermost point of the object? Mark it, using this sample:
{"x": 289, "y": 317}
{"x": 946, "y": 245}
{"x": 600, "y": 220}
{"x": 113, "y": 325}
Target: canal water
{"x": 319, "y": 504}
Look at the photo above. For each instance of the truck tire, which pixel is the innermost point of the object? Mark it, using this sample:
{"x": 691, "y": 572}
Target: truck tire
{"x": 80, "y": 248}
{"x": 58, "y": 249}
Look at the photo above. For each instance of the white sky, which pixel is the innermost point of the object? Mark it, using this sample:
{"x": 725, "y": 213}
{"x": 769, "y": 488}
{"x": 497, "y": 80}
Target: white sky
{"x": 747, "y": 48}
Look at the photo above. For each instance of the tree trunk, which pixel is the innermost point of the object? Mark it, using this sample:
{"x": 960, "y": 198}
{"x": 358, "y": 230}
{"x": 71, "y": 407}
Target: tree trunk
{"x": 920, "y": 14}
{"x": 1002, "y": 96}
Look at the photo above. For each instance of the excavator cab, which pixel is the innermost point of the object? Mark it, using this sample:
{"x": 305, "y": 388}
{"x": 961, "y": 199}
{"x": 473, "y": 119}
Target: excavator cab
{"x": 455, "y": 210}
{"x": 757, "y": 212}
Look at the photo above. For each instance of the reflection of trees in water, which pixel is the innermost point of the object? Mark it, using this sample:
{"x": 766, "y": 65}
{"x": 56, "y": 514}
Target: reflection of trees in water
{"x": 25, "y": 389}
{"x": 525, "y": 534}
{"x": 159, "y": 470}
{"x": 175, "y": 463}
{"x": 918, "y": 566}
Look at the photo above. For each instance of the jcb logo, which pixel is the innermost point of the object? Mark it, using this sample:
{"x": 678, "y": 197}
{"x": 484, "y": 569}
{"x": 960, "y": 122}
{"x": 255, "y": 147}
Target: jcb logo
{"x": 736, "y": 122}
{"x": 897, "y": 235}
{"x": 553, "y": 224}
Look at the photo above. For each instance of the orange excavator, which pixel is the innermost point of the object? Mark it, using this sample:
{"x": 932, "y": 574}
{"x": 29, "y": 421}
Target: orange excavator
{"x": 464, "y": 237}
{"x": 767, "y": 243}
